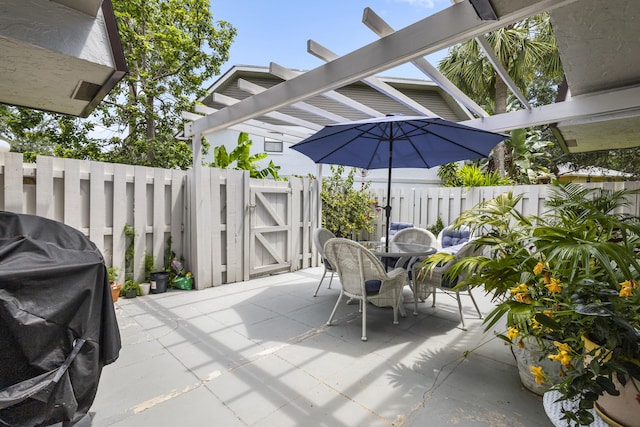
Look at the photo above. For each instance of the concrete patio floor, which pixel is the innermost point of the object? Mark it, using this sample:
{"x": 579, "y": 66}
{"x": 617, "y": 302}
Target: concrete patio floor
{"x": 259, "y": 353}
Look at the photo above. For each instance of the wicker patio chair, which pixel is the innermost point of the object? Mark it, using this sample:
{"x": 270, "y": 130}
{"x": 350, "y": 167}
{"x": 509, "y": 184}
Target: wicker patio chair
{"x": 436, "y": 280}
{"x": 320, "y": 237}
{"x": 412, "y": 235}
{"x": 363, "y": 277}
{"x": 450, "y": 236}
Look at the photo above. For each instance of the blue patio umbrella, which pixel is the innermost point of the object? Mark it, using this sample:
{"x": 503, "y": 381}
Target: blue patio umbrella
{"x": 397, "y": 141}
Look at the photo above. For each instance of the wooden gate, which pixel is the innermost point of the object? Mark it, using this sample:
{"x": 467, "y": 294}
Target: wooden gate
{"x": 270, "y": 238}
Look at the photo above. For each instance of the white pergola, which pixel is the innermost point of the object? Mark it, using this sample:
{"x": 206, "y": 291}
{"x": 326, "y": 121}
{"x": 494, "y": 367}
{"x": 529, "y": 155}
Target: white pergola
{"x": 597, "y": 41}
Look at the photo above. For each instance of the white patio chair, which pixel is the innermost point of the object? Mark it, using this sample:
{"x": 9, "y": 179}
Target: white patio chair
{"x": 435, "y": 280}
{"x": 320, "y": 237}
{"x": 413, "y": 235}
{"x": 450, "y": 236}
{"x": 363, "y": 277}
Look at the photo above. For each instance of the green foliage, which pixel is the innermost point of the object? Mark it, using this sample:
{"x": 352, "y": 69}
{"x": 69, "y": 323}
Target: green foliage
{"x": 168, "y": 254}
{"x": 346, "y": 211}
{"x": 530, "y": 158}
{"x": 469, "y": 176}
{"x": 130, "y": 235}
{"x": 112, "y": 273}
{"x": 437, "y": 227}
{"x": 473, "y": 176}
{"x": 34, "y": 133}
{"x": 172, "y": 47}
{"x": 149, "y": 266}
{"x": 243, "y": 160}
{"x": 571, "y": 273}
{"x": 130, "y": 285}
{"x": 528, "y": 51}
{"x": 448, "y": 174}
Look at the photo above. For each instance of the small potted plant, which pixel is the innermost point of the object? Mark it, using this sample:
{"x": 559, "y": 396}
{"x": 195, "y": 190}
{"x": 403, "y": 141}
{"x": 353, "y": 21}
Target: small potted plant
{"x": 131, "y": 289}
{"x": 112, "y": 274}
{"x": 564, "y": 280}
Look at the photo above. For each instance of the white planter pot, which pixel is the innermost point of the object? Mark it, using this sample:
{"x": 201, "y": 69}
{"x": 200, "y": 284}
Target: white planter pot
{"x": 530, "y": 355}
{"x": 145, "y": 288}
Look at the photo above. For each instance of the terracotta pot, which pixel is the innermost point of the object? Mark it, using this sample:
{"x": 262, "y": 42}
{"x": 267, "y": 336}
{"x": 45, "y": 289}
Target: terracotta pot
{"x": 115, "y": 292}
{"x": 624, "y": 409}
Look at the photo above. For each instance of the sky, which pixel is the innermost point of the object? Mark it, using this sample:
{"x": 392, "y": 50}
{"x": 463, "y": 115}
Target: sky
{"x": 278, "y": 30}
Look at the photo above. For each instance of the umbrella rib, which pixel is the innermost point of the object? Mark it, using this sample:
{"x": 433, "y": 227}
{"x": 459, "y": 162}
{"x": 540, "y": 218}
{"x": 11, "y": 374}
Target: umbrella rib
{"x": 445, "y": 124}
{"x": 406, "y": 136}
{"x": 365, "y": 132}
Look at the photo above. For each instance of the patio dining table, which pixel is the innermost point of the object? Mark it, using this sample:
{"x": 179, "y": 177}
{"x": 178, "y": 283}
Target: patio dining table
{"x": 402, "y": 252}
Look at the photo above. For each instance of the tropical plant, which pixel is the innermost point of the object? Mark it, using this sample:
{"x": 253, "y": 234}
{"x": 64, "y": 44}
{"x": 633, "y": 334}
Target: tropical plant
{"x": 567, "y": 275}
{"x": 473, "y": 176}
{"x": 346, "y": 211}
{"x": 448, "y": 174}
{"x": 243, "y": 160}
{"x": 526, "y": 48}
{"x": 530, "y": 158}
{"x": 469, "y": 176}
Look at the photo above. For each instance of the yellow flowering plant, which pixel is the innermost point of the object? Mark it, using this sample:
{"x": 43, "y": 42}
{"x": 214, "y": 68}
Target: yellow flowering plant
{"x": 569, "y": 274}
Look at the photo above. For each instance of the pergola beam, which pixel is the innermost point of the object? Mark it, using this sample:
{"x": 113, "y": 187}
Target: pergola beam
{"x": 624, "y": 101}
{"x": 255, "y": 89}
{"x": 380, "y": 27}
{"x": 228, "y": 101}
{"x": 452, "y": 25}
{"x": 319, "y": 51}
{"x": 276, "y": 131}
{"x": 502, "y": 72}
{"x": 288, "y": 74}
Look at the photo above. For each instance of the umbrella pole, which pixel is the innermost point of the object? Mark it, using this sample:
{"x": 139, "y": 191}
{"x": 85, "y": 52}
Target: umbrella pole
{"x": 387, "y": 209}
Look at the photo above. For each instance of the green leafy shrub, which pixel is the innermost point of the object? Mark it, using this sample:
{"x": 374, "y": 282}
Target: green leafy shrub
{"x": 346, "y": 211}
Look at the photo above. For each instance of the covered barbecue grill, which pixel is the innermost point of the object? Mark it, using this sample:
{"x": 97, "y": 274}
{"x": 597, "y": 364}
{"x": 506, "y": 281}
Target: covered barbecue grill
{"x": 57, "y": 323}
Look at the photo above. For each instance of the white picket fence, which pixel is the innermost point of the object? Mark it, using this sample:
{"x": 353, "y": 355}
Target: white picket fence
{"x": 226, "y": 226}
{"x": 206, "y": 218}
{"x": 99, "y": 199}
{"x": 422, "y": 207}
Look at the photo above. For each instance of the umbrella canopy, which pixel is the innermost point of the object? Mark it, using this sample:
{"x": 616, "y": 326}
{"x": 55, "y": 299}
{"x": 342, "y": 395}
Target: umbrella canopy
{"x": 397, "y": 142}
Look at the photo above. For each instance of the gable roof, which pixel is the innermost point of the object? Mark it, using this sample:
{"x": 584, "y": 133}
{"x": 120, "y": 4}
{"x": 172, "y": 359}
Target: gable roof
{"x": 355, "y": 101}
{"x": 594, "y": 116}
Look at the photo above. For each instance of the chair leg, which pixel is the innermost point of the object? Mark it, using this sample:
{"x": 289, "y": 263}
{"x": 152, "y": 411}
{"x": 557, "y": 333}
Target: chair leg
{"x": 323, "y": 274}
{"x": 335, "y": 307}
{"x": 475, "y": 304}
{"x": 460, "y": 310}
{"x": 396, "y": 305}
{"x": 363, "y": 307}
{"x": 400, "y": 305}
{"x": 331, "y": 279}
{"x": 415, "y": 299}
{"x": 433, "y": 297}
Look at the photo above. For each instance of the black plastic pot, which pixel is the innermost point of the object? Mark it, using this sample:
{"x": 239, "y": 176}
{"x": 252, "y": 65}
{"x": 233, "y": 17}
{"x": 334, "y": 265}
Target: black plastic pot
{"x": 159, "y": 282}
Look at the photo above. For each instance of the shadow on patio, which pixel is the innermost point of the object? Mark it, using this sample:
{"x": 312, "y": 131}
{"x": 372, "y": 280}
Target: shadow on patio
{"x": 259, "y": 353}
